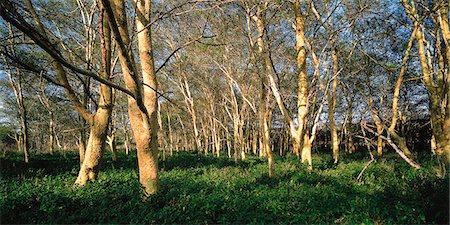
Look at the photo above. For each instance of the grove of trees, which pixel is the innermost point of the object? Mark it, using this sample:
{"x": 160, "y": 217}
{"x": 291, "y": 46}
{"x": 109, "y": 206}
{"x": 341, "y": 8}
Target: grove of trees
{"x": 233, "y": 78}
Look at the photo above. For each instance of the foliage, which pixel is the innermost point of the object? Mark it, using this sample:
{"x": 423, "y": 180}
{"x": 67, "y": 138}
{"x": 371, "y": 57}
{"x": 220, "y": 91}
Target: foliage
{"x": 6, "y": 135}
{"x": 197, "y": 189}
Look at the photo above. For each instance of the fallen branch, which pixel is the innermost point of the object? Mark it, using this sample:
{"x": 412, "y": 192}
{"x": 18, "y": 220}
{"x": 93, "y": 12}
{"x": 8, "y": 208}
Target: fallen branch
{"x": 372, "y": 159}
{"x": 394, "y": 146}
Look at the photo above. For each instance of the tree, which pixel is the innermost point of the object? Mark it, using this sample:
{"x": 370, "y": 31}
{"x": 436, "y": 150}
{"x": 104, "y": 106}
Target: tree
{"x": 142, "y": 104}
{"x": 436, "y": 80}
{"x": 16, "y": 85}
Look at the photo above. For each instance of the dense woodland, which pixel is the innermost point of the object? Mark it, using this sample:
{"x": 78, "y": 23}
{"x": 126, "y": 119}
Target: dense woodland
{"x": 171, "y": 108}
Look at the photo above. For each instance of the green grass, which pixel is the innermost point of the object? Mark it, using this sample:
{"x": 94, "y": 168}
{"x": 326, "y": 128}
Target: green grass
{"x": 204, "y": 190}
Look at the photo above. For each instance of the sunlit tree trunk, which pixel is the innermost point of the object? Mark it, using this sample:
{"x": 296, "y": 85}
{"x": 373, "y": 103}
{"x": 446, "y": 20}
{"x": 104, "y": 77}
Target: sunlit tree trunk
{"x": 298, "y": 133}
{"x": 401, "y": 141}
{"x": 51, "y": 119}
{"x": 99, "y": 121}
{"x": 185, "y": 139}
{"x": 215, "y": 132}
{"x": 16, "y": 85}
{"x": 94, "y": 151}
{"x": 148, "y": 145}
{"x": 331, "y": 98}
{"x": 204, "y": 127}
{"x": 237, "y": 110}
{"x": 162, "y": 140}
{"x": 378, "y": 123}
{"x": 111, "y": 139}
{"x": 331, "y": 94}
{"x": 436, "y": 81}
{"x": 89, "y": 33}
{"x": 169, "y": 125}
{"x": 51, "y": 133}
{"x": 265, "y": 112}
{"x": 142, "y": 109}
{"x": 186, "y": 91}
{"x": 81, "y": 145}
{"x": 351, "y": 148}
{"x": 125, "y": 132}
{"x": 82, "y": 142}
{"x": 443, "y": 18}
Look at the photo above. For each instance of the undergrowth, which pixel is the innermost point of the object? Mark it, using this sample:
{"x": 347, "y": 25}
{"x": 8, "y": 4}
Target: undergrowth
{"x": 203, "y": 190}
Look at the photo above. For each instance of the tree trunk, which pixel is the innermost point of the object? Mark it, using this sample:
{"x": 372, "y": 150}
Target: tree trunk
{"x": 306, "y": 151}
{"x": 99, "y": 121}
{"x": 170, "y": 134}
{"x": 147, "y": 141}
{"x": 125, "y": 133}
{"x": 205, "y": 136}
{"x": 435, "y": 80}
{"x": 162, "y": 140}
{"x": 380, "y": 145}
{"x": 349, "y": 128}
{"x": 185, "y": 139}
{"x": 94, "y": 151}
{"x": 51, "y": 129}
{"x": 16, "y": 85}
{"x": 111, "y": 140}
{"x": 24, "y": 123}
{"x": 265, "y": 111}
{"x": 142, "y": 109}
{"x": 81, "y": 147}
{"x": 401, "y": 141}
{"x": 331, "y": 97}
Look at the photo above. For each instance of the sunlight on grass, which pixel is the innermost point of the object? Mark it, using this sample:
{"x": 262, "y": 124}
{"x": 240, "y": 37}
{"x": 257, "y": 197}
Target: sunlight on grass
{"x": 209, "y": 190}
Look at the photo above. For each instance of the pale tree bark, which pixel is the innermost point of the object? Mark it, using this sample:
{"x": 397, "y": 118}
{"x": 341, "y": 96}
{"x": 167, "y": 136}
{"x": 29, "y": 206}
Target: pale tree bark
{"x": 331, "y": 98}
{"x": 142, "y": 109}
{"x": 265, "y": 111}
{"x": 51, "y": 132}
{"x": 185, "y": 139}
{"x": 331, "y": 94}
{"x": 99, "y": 121}
{"x": 226, "y": 134}
{"x": 16, "y": 85}
{"x": 184, "y": 87}
{"x": 161, "y": 137}
{"x": 348, "y": 126}
{"x": 377, "y": 120}
{"x": 215, "y": 133}
{"x": 401, "y": 141}
{"x": 86, "y": 14}
{"x": 125, "y": 132}
{"x": 51, "y": 122}
{"x": 436, "y": 81}
{"x": 111, "y": 138}
{"x": 169, "y": 125}
{"x": 443, "y": 18}
{"x": 299, "y": 134}
{"x": 82, "y": 142}
{"x": 237, "y": 126}
{"x": 238, "y": 110}
{"x": 235, "y": 114}
{"x": 302, "y": 104}
{"x": 204, "y": 125}
{"x": 148, "y": 151}
{"x": 254, "y": 137}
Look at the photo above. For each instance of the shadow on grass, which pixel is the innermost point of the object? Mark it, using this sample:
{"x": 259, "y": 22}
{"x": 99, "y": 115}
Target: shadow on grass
{"x": 204, "y": 190}
{"x": 194, "y": 160}
{"x": 13, "y": 166}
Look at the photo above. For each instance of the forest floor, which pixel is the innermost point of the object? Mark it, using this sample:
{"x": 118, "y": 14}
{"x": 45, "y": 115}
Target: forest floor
{"x": 207, "y": 190}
